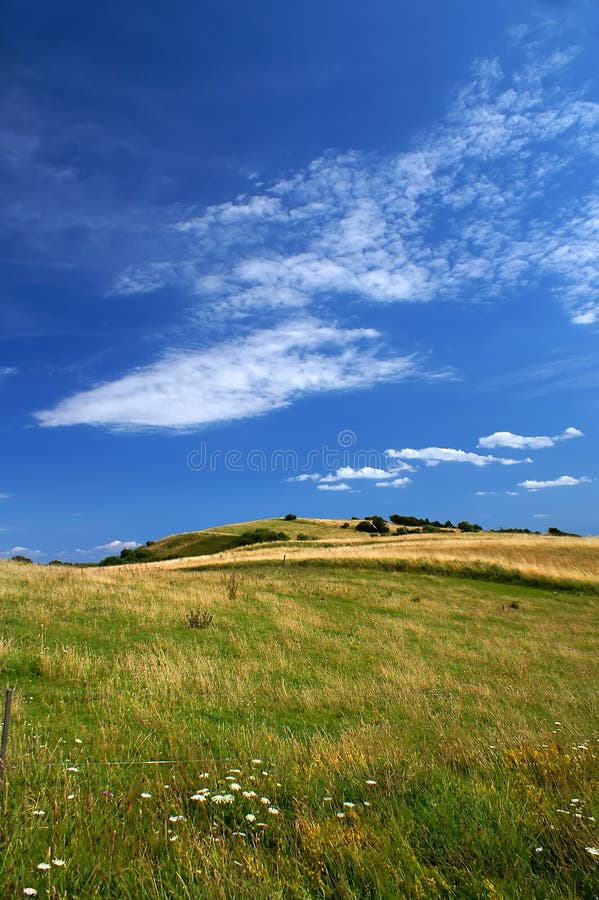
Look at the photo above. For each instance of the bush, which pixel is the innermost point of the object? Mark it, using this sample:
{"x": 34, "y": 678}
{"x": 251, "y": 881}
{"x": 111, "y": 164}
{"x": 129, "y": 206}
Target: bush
{"x": 469, "y": 526}
{"x": 261, "y": 536}
{"x": 345, "y": 525}
{"x": 199, "y": 618}
{"x": 290, "y": 517}
{"x": 380, "y": 525}
{"x": 24, "y": 560}
{"x": 303, "y": 537}
{"x": 111, "y": 561}
{"x": 365, "y": 526}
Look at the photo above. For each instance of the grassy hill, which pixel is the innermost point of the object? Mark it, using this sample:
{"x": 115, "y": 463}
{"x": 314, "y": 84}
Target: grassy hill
{"x": 338, "y": 728}
{"x": 227, "y": 537}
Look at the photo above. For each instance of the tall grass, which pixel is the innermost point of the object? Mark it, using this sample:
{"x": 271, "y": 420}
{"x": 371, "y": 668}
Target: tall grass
{"x": 434, "y": 721}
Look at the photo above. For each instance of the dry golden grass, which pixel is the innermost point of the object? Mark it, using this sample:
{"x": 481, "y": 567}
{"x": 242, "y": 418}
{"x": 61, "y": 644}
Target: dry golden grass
{"x": 531, "y": 555}
{"x": 441, "y": 692}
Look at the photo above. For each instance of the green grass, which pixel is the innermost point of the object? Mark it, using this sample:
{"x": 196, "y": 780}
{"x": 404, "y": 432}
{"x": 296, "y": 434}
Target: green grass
{"x": 216, "y": 540}
{"x": 433, "y": 686}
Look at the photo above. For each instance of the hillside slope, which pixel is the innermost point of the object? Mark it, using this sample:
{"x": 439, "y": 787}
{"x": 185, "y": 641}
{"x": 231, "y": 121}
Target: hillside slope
{"x": 229, "y": 537}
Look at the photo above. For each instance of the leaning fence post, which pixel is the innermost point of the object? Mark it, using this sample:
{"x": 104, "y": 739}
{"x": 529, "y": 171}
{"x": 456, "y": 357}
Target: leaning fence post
{"x": 5, "y": 727}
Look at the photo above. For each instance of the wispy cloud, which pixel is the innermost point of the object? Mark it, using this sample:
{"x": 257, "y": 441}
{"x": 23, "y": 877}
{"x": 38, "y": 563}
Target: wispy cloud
{"x": 7, "y": 370}
{"x": 304, "y": 477}
{"x": 347, "y": 473}
{"x": 495, "y": 493}
{"x": 562, "y": 481}
{"x": 244, "y": 377}
{"x": 5, "y": 496}
{"x": 111, "y": 547}
{"x": 457, "y": 215}
{"x": 22, "y": 551}
{"x": 519, "y": 441}
{"x": 394, "y": 483}
{"x": 334, "y": 487}
{"x": 432, "y": 456}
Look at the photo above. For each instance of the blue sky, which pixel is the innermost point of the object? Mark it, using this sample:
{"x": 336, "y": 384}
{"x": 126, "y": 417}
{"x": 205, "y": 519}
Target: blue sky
{"x": 321, "y": 257}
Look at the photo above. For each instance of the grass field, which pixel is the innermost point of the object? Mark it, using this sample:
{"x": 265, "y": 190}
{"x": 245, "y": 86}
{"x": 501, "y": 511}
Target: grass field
{"x": 416, "y": 734}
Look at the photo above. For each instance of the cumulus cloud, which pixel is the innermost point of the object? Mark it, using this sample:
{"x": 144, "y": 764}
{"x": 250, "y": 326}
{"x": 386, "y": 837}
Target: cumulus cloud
{"x": 236, "y": 379}
{"x": 304, "y": 477}
{"x": 394, "y": 483}
{"x": 519, "y": 441}
{"x": 347, "y": 473}
{"x": 457, "y": 215}
{"x": 111, "y": 547}
{"x": 334, "y": 487}
{"x": 562, "y": 481}
{"x": 21, "y": 551}
{"x": 432, "y": 456}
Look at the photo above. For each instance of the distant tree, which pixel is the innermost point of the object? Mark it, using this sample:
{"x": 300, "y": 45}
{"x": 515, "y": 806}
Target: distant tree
{"x": 449, "y": 524}
{"x": 364, "y": 525}
{"x": 56, "y": 562}
{"x": 261, "y": 536}
{"x": 469, "y": 526}
{"x": 380, "y": 525}
{"x": 21, "y": 559}
{"x": 290, "y": 517}
{"x": 111, "y": 561}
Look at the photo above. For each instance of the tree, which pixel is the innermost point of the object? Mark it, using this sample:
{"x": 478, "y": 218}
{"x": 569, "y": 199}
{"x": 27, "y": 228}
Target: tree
{"x": 290, "y": 517}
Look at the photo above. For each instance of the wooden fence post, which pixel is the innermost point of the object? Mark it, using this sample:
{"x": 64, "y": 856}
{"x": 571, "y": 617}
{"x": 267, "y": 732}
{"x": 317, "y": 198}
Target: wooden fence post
{"x": 5, "y": 727}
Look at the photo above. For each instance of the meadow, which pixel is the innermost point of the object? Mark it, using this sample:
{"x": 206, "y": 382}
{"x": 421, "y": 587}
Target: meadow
{"x": 338, "y": 729}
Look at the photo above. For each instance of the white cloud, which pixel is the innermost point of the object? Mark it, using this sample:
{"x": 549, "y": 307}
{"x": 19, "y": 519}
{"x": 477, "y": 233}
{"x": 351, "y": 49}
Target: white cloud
{"x": 519, "y": 441}
{"x": 111, "y": 547}
{"x": 347, "y": 473}
{"x": 460, "y": 214}
{"x": 4, "y": 496}
{"x": 21, "y": 551}
{"x": 333, "y": 487}
{"x": 304, "y": 477}
{"x": 236, "y": 379}
{"x": 495, "y": 493}
{"x": 432, "y": 456}
{"x": 394, "y": 483}
{"x": 562, "y": 481}
{"x": 7, "y": 370}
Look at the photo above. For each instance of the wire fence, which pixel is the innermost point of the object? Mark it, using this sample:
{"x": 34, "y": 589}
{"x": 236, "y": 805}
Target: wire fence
{"x": 75, "y": 765}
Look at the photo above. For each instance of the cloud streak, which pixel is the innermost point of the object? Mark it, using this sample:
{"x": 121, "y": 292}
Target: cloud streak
{"x": 433, "y": 456}
{"x": 458, "y": 216}
{"x": 562, "y": 481}
{"x": 520, "y": 442}
{"x": 236, "y": 379}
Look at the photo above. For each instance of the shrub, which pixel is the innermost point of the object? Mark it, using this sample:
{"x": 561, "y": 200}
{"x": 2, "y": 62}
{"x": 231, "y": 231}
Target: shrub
{"x": 469, "y": 526}
{"x": 380, "y": 525}
{"x": 23, "y": 560}
{"x": 290, "y": 517}
{"x": 365, "y": 526}
{"x": 261, "y": 536}
{"x": 199, "y": 618}
{"x": 303, "y": 537}
{"x": 345, "y": 525}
